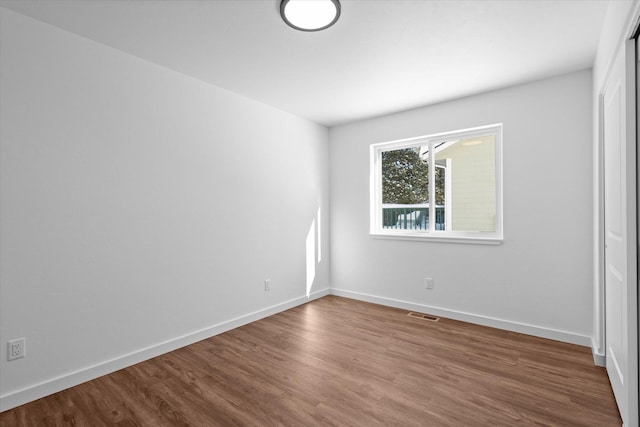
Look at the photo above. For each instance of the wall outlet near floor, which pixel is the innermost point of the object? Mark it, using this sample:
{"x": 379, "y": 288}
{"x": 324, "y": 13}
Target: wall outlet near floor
{"x": 16, "y": 349}
{"x": 267, "y": 285}
{"x": 428, "y": 283}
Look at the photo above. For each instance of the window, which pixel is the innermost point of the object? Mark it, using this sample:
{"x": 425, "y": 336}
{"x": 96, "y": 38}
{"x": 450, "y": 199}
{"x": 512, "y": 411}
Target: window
{"x": 445, "y": 187}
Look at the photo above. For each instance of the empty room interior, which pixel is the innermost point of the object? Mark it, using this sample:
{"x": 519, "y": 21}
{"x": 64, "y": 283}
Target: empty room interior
{"x": 375, "y": 212}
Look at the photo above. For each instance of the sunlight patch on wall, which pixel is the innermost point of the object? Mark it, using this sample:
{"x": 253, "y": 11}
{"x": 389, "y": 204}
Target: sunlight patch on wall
{"x": 313, "y": 249}
{"x": 319, "y": 222}
{"x": 311, "y": 256}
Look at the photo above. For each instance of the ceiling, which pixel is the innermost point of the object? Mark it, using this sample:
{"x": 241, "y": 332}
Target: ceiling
{"x": 382, "y": 56}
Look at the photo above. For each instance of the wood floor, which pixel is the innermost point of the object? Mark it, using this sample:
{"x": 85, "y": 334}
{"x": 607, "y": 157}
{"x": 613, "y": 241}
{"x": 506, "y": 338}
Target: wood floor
{"x": 342, "y": 362}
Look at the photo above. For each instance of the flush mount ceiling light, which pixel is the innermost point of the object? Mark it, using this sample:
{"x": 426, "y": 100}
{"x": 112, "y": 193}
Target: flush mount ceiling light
{"x": 310, "y": 15}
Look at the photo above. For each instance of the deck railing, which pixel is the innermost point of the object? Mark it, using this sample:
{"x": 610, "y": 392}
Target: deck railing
{"x": 411, "y": 217}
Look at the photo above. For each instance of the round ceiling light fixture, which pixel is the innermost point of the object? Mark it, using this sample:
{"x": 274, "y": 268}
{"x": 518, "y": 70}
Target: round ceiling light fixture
{"x": 310, "y": 15}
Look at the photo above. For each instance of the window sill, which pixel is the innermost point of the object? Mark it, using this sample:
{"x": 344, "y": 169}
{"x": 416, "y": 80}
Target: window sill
{"x": 428, "y": 237}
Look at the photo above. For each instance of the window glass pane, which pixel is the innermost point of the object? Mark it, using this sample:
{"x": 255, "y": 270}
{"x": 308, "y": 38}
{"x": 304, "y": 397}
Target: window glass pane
{"x": 405, "y": 188}
{"x": 469, "y": 185}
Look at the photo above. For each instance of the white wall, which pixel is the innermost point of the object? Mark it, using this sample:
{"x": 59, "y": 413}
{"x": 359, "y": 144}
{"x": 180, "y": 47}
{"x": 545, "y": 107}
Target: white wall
{"x": 539, "y": 280}
{"x": 140, "y": 209}
{"x": 618, "y": 20}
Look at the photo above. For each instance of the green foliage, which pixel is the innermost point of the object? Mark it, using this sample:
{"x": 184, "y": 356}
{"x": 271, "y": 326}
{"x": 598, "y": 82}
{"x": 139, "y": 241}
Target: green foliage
{"x": 405, "y": 178}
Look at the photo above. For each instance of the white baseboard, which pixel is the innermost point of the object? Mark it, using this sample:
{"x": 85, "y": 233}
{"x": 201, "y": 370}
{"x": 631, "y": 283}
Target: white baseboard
{"x": 54, "y": 385}
{"x": 599, "y": 358}
{"x": 508, "y": 325}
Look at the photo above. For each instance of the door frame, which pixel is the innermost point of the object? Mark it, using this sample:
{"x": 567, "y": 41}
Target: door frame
{"x": 623, "y": 366}
{"x": 599, "y": 339}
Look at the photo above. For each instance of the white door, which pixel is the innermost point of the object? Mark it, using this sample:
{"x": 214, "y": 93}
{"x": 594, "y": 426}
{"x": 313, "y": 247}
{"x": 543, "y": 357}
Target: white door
{"x": 621, "y": 304}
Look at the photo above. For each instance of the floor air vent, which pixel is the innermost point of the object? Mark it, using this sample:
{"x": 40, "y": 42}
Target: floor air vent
{"x": 423, "y": 316}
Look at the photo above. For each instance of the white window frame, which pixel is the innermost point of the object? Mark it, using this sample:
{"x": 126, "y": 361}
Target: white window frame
{"x": 375, "y": 208}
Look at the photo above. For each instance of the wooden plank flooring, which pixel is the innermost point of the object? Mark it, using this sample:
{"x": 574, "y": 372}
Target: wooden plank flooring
{"x": 342, "y": 362}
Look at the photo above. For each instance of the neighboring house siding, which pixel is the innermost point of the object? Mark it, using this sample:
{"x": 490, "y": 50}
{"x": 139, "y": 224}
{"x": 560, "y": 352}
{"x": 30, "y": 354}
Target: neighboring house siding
{"x": 473, "y": 185}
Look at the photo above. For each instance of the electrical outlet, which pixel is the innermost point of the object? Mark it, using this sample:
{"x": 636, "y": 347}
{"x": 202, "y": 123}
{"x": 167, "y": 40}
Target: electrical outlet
{"x": 267, "y": 285}
{"x": 16, "y": 349}
{"x": 428, "y": 283}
